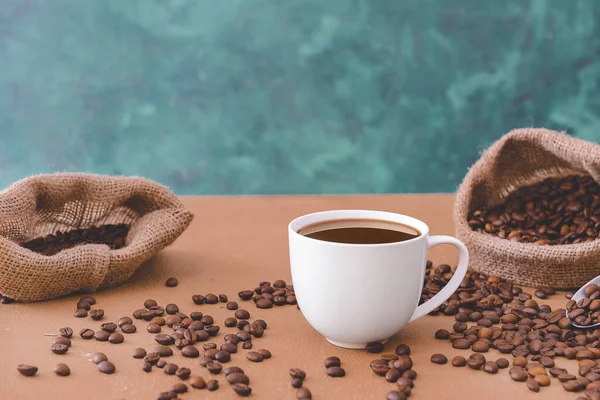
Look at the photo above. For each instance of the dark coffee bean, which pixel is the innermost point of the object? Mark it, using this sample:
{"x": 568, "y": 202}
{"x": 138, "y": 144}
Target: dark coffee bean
{"x": 532, "y": 385}
{"x": 518, "y": 374}
{"x": 190, "y": 352}
{"x": 170, "y": 368}
{"x": 254, "y": 356}
{"x": 475, "y": 363}
{"x": 392, "y": 375}
{"x": 403, "y": 363}
{"x": 171, "y": 282}
{"x": 211, "y": 353}
{"x": 211, "y": 299}
{"x": 332, "y": 362}
{"x": 388, "y": 357}
{"x": 97, "y": 314}
{"x": 223, "y": 298}
{"x": 66, "y": 332}
{"x": 128, "y": 328}
{"x": 161, "y": 363}
{"x": 106, "y": 367}
{"x": 83, "y": 305}
{"x": 59, "y": 348}
{"x": 116, "y": 338}
{"x": 297, "y": 373}
{"x": 86, "y": 333}
{"x": 62, "y": 340}
{"x": 209, "y": 346}
{"x": 374, "y": 347}
{"x": 242, "y": 324}
{"x": 153, "y": 328}
{"x": 97, "y": 358}
{"x": 146, "y": 366}
{"x": 212, "y": 330}
{"x": 231, "y": 338}
{"x": 152, "y": 358}
{"x": 207, "y": 320}
{"x": 163, "y": 351}
{"x": 179, "y": 388}
{"x": 459, "y": 361}
{"x": 573, "y": 385}
{"x": 27, "y": 370}
{"x": 198, "y": 299}
{"x": 246, "y": 294}
{"x": 197, "y": 382}
{"x": 212, "y": 385}
{"x": 139, "y": 353}
{"x": 265, "y": 353}
{"x": 439, "y": 359}
{"x": 81, "y": 313}
{"x": 237, "y": 377}
{"x": 214, "y": 367}
{"x": 164, "y": 339}
{"x": 109, "y": 327}
{"x": 410, "y": 374}
{"x": 205, "y": 360}
{"x": 62, "y": 370}
{"x": 88, "y": 299}
{"x": 296, "y": 383}
{"x": 231, "y": 370}
{"x": 264, "y": 303}
{"x": 170, "y": 395}
{"x": 242, "y": 314}
{"x": 247, "y": 345}
{"x": 223, "y": 356}
{"x": 241, "y": 389}
{"x": 502, "y": 363}
{"x": 232, "y": 305}
{"x": 172, "y": 309}
{"x": 336, "y": 372}
{"x": 230, "y": 347}
{"x": 395, "y": 395}
{"x": 490, "y": 367}
{"x": 442, "y": 334}
{"x": 461, "y": 344}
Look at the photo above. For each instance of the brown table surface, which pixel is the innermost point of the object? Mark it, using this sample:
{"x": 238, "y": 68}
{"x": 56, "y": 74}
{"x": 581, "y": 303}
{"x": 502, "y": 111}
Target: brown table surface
{"x": 233, "y": 243}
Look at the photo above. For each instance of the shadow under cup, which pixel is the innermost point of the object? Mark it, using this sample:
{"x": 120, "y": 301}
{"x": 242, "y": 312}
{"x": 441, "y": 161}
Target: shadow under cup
{"x": 354, "y": 294}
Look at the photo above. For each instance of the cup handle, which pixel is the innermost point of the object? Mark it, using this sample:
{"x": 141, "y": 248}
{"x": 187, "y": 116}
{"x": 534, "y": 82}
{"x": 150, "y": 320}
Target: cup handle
{"x": 455, "y": 281}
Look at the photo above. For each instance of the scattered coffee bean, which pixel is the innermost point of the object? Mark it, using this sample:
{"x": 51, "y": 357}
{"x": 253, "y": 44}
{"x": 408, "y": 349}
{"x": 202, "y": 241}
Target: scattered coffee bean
{"x": 223, "y": 298}
{"x": 84, "y": 305}
{"x": 66, "y": 332}
{"x": 153, "y": 328}
{"x": 128, "y": 328}
{"x": 164, "y": 339}
{"x": 88, "y": 299}
{"x": 232, "y": 305}
{"x": 212, "y": 385}
{"x": 198, "y": 299}
{"x": 139, "y": 353}
{"x": 533, "y": 385}
{"x": 97, "y": 358}
{"x": 237, "y": 377}
{"x": 395, "y": 395}
{"x": 116, "y": 338}
{"x": 211, "y": 299}
{"x": 442, "y": 334}
{"x": 27, "y": 370}
{"x": 86, "y": 333}
{"x": 392, "y": 375}
{"x": 190, "y": 352}
{"x": 179, "y": 388}
{"x": 172, "y": 309}
{"x": 106, "y": 367}
{"x": 332, "y": 362}
{"x": 171, "y": 282}
{"x": 475, "y": 363}
{"x": 502, "y": 363}
{"x": 170, "y": 368}
{"x": 59, "y": 348}
{"x": 81, "y": 313}
{"x": 297, "y": 373}
{"x": 97, "y": 315}
{"x": 62, "y": 370}
{"x": 246, "y": 294}
{"x": 242, "y": 314}
{"x": 439, "y": 359}
{"x": 212, "y": 330}
{"x": 303, "y": 394}
{"x": 336, "y": 372}
{"x": 163, "y": 351}
{"x": 296, "y": 383}
{"x": 266, "y": 354}
{"x": 161, "y": 363}
{"x": 241, "y": 389}
{"x": 62, "y": 340}
{"x": 197, "y": 382}
{"x": 542, "y": 380}
{"x": 254, "y": 356}
{"x": 223, "y": 356}
{"x": 170, "y": 395}
{"x": 264, "y": 304}
{"x": 247, "y": 345}
{"x": 374, "y": 347}
{"x": 152, "y": 358}
{"x": 490, "y": 367}
{"x": 214, "y": 367}
{"x": 518, "y": 374}
{"x": 109, "y": 327}
{"x": 231, "y": 348}
{"x": 403, "y": 349}
{"x": 459, "y": 361}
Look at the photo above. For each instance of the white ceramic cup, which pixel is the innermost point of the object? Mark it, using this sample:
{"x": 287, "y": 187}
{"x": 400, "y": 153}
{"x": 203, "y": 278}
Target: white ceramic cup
{"x": 354, "y": 294}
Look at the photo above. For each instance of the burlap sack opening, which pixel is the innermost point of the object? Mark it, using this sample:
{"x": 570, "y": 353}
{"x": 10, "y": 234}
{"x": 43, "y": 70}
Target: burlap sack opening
{"x": 44, "y": 204}
{"x": 520, "y": 158}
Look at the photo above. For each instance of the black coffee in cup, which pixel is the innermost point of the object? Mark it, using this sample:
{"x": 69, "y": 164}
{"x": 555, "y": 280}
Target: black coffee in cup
{"x": 360, "y": 231}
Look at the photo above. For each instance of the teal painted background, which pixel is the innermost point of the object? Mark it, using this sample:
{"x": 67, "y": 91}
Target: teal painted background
{"x": 288, "y": 96}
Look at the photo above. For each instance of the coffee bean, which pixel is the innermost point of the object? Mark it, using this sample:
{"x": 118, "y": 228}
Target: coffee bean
{"x": 190, "y": 352}
{"x": 212, "y": 330}
{"x": 242, "y": 314}
{"x": 532, "y": 385}
{"x": 336, "y": 372}
{"x": 207, "y": 320}
{"x": 97, "y": 314}
{"x": 172, "y": 309}
{"x": 392, "y": 375}
{"x": 518, "y": 374}
{"x": 170, "y": 368}
{"x": 573, "y": 386}
{"x": 198, "y": 299}
{"x": 462, "y": 344}
{"x": 247, "y": 345}
{"x": 81, "y": 313}
{"x": 170, "y": 395}
{"x": 66, "y": 332}
{"x": 152, "y": 358}
{"x": 332, "y": 362}
{"x": 223, "y": 298}
{"x": 237, "y": 377}
{"x": 62, "y": 370}
{"x": 27, "y": 370}
{"x": 297, "y": 373}
{"x": 374, "y": 347}
{"x": 211, "y": 299}
{"x": 542, "y": 380}
{"x": 214, "y": 367}
{"x": 502, "y": 363}
{"x": 164, "y": 339}
{"x": 439, "y": 359}
{"x": 241, "y": 389}
{"x": 480, "y": 346}
{"x": 246, "y": 294}
{"x": 179, "y": 388}
{"x": 161, "y": 363}
{"x": 116, "y": 338}
{"x": 128, "y": 328}
{"x": 459, "y": 361}
{"x": 490, "y": 367}
{"x": 223, "y": 356}
{"x": 163, "y": 351}
{"x": 232, "y": 305}
{"x": 296, "y": 383}
{"x": 106, "y": 367}
{"x": 212, "y": 385}
{"x": 138, "y": 353}
{"x": 109, "y": 327}
{"x": 254, "y": 356}
{"x": 171, "y": 282}
{"x": 475, "y": 363}
{"x": 264, "y": 304}
{"x": 442, "y": 334}
{"x": 197, "y": 382}
{"x": 62, "y": 340}
{"x": 395, "y": 395}
{"x": 97, "y": 358}
{"x": 83, "y": 305}
{"x": 88, "y": 299}
{"x": 59, "y": 348}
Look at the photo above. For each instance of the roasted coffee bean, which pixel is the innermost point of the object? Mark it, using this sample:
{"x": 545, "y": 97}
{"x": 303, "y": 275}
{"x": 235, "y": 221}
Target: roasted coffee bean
{"x": 231, "y": 338}
{"x": 171, "y": 282}
{"x": 461, "y": 344}
{"x": 83, "y": 305}
{"x": 88, "y": 299}
{"x": 190, "y": 352}
{"x": 59, "y": 348}
{"x": 153, "y": 328}
{"x": 172, "y": 309}
{"x": 336, "y": 372}
{"x": 242, "y": 314}
{"x": 442, "y": 334}
{"x": 170, "y": 368}
{"x": 146, "y": 366}
{"x": 254, "y": 356}
{"x": 502, "y": 363}
{"x": 209, "y": 346}
{"x": 264, "y": 303}
{"x": 247, "y": 345}
{"x": 27, "y": 370}
{"x": 242, "y": 324}
{"x": 116, "y": 338}
{"x": 573, "y": 385}
{"x": 170, "y": 395}
{"x": 241, "y": 389}
{"x": 109, "y": 327}
{"x": 81, "y": 313}
{"x": 439, "y": 359}
{"x": 475, "y": 363}
{"x": 62, "y": 370}
{"x": 237, "y": 377}
{"x": 223, "y": 298}
{"x": 128, "y": 328}
{"x": 97, "y": 358}
{"x": 231, "y": 370}
{"x": 395, "y": 395}
{"x": 211, "y": 299}
{"x": 97, "y": 314}
{"x": 374, "y": 347}
{"x": 265, "y": 353}
{"x": 246, "y": 294}
{"x": 212, "y": 385}
{"x": 198, "y": 299}
{"x": 205, "y": 360}
{"x": 161, "y": 363}
{"x": 179, "y": 388}
{"x": 490, "y": 367}
{"x": 230, "y": 347}
{"x": 332, "y": 362}
{"x": 66, "y": 332}
{"x": 197, "y": 382}
{"x": 297, "y": 373}
{"x": 480, "y": 346}
{"x": 388, "y": 357}
{"x": 106, "y": 367}
{"x": 392, "y": 375}
{"x": 232, "y": 305}
{"x": 214, "y": 367}
{"x": 164, "y": 339}
{"x": 223, "y": 356}
{"x": 211, "y": 353}
{"x": 62, "y": 340}
{"x": 459, "y": 361}
{"x": 207, "y": 320}
{"x": 532, "y": 385}
{"x": 152, "y": 358}
{"x": 163, "y": 351}
{"x": 296, "y": 383}
{"x": 86, "y": 333}
{"x": 138, "y": 353}
{"x": 518, "y": 374}
{"x": 212, "y": 330}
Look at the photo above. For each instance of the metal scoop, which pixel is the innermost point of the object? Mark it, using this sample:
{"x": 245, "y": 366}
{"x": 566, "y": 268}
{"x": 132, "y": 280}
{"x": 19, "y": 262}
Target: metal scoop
{"x": 580, "y": 294}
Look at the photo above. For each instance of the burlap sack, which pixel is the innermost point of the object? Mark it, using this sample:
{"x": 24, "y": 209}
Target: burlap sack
{"x": 524, "y": 157}
{"x": 44, "y": 204}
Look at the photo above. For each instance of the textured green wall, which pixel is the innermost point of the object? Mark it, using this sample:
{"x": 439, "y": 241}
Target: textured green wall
{"x": 288, "y": 96}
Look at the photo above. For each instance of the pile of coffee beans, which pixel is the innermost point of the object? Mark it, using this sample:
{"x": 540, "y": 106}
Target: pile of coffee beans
{"x": 396, "y": 368}
{"x": 554, "y": 211}
{"x": 111, "y": 235}
{"x": 298, "y": 376}
{"x": 266, "y": 295}
{"x": 587, "y": 310}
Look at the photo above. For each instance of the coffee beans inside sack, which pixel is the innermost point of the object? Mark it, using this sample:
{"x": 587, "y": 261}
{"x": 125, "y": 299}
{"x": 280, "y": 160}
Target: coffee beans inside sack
{"x": 529, "y": 210}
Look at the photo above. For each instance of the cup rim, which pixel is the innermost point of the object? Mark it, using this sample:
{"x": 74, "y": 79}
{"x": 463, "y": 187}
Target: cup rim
{"x": 300, "y": 222}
